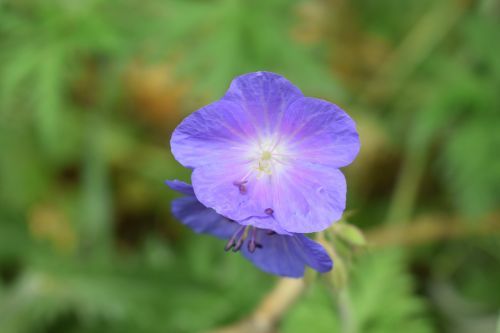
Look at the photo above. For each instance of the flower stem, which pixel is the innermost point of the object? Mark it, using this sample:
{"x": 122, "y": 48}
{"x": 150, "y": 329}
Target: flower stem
{"x": 407, "y": 187}
{"x": 347, "y": 322}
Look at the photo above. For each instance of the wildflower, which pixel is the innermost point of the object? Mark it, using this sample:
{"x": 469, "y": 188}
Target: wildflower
{"x": 284, "y": 255}
{"x": 266, "y": 156}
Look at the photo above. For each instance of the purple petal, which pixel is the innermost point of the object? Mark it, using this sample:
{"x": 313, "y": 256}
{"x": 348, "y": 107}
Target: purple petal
{"x": 202, "y": 219}
{"x": 309, "y": 198}
{"x": 218, "y": 186}
{"x": 264, "y": 96}
{"x": 305, "y": 198}
{"x": 313, "y": 254}
{"x": 217, "y": 132}
{"x": 288, "y": 255}
{"x": 180, "y": 186}
{"x": 319, "y": 132}
{"x": 268, "y": 223}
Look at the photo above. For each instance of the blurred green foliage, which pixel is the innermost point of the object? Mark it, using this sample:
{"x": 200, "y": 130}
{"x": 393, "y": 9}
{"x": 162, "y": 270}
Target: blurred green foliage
{"x": 379, "y": 299}
{"x": 90, "y": 89}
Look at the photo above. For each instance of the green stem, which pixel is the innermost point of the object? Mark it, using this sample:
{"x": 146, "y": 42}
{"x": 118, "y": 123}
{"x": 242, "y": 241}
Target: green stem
{"x": 96, "y": 192}
{"x": 407, "y": 187}
{"x": 348, "y": 324}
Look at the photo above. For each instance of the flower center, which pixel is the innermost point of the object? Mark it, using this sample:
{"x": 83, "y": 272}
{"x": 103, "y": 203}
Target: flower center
{"x": 270, "y": 155}
{"x": 265, "y": 163}
{"x": 266, "y": 157}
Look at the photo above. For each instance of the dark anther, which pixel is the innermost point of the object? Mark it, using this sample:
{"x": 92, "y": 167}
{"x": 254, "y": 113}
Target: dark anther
{"x": 241, "y": 186}
{"x": 236, "y": 240}
{"x": 270, "y": 232}
{"x": 238, "y": 245}
{"x": 252, "y": 246}
{"x": 269, "y": 211}
{"x": 229, "y": 245}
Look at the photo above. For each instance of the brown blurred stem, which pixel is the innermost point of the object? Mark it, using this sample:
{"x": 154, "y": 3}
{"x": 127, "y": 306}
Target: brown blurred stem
{"x": 432, "y": 228}
{"x": 269, "y": 312}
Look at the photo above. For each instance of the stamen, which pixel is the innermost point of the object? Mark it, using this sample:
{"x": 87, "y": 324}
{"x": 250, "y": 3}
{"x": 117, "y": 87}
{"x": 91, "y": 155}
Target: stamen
{"x": 235, "y": 239}
{"x": 252, "y": 244}
{"x": 242, "y": 187}
{"x": 238, "y": 239}
{"x": 229, "y": 245}
{"x": 238, "y": 245}
{"x": 269, "y": 211}
{"x": 270, "y": 232}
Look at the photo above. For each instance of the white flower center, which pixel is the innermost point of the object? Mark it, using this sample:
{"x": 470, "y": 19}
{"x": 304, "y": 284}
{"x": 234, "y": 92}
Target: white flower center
{"x": 264, "y": 158}
{"x": 265, "y": 162}
{"x": 269, "y": 157}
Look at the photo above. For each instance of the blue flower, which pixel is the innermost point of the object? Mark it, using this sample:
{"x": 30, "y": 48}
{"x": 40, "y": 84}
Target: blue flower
{"x": 265, "y": 162}
{"x": 279, "y": 254}
{"x": 267, "y": 156}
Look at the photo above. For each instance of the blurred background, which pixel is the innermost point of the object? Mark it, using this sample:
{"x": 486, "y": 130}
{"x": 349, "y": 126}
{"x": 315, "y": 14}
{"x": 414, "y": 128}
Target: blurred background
{"x": 90, "y": 91}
